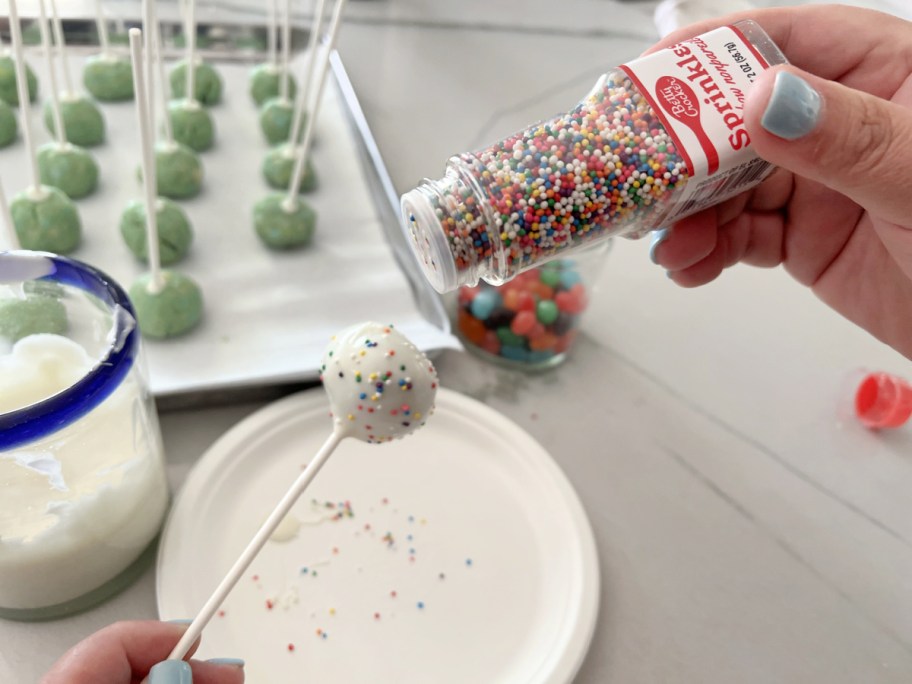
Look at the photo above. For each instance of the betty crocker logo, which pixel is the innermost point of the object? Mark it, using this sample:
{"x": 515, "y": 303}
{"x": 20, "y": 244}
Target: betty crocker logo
{"x": 679, "y": 100}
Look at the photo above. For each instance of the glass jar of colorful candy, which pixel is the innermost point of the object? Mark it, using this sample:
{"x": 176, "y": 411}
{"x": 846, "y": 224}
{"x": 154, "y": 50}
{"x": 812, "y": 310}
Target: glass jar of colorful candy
{"x": 532, "y": 321}
{"x": 656, "y": 139}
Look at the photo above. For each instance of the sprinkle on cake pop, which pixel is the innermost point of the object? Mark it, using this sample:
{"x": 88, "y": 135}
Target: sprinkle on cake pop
{"x": 44, "y": 218}
{"x": 63, "y": 165}
{"x": 191, "y": 124}
{"x": 265, "y": 79}
{"x": 380, "y": 385}
{"x": 167, "y": 303}
{"x": 107, "y": 76}
{"x": 82, "y": 119}
{"x": 8, "y": 91}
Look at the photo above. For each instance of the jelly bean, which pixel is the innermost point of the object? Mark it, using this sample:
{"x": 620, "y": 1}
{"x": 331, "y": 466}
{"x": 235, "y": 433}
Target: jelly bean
{"x": 564, "y": 323}
{"x": 537, "y": 331}
{"x": 523, "y": 323}
{"x": 540, "y": 290}
{"x": 510, "y": 298}
{"x": 551, "y": 277}
{"x": 546, "y": 312}
{"x": 509, "y": 337}
{"x": 473, "y": 329}
{"x": 569, "y": 278}
{"x": 544, "y": 341}
{"x": 467, "y": 294}
{"x": 491, "y": 342}
{"x": 484, "y": 303}
{"x": 514, "y": 353}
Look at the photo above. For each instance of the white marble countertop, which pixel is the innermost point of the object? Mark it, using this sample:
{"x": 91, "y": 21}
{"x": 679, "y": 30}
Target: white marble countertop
{"x": 746, "y": 532}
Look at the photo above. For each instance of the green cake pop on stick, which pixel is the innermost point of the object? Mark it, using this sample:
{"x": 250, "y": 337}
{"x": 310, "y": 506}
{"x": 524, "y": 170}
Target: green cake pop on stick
{"x": 43, "y": 217}
{"x": 277, "y": 113}
{"x": 286, "y": 221}
{"x": 167, "y": 303}
{"x": 8, "y": 126}
{"x": 278, "y": 165}
{"x": 191, "y": 123}
{"x": 63, "y": 165}
{"x": 8, "y": 90}
{"x": 83, "y": 122}
{"x": 107, "y": 76}
{"x": 266, "y": 79}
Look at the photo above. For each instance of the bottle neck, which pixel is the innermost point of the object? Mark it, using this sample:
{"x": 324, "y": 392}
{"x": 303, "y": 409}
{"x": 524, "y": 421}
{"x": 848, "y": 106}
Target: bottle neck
{"x": 451, "y": 230}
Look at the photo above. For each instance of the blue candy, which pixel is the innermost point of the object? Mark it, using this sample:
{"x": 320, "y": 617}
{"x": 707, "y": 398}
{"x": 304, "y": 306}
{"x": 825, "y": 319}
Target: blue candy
{"x": 514, "y": 353}
{"x": 484, "y": 304}
{"x": 569, "y": 278}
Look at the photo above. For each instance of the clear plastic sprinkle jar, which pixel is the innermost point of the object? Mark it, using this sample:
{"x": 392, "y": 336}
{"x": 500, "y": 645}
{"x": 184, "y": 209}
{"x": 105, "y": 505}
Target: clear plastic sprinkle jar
{"x": 82, "y": 474}
{"x": 656, "y": 139}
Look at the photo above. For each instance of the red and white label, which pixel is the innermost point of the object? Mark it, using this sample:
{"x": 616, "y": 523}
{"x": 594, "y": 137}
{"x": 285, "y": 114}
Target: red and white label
{"x": 697, "y": 88}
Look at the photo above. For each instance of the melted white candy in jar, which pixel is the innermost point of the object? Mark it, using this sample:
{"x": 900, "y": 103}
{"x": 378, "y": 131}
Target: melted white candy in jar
{"x": 380, "y": 385}
{"x": 80, "y": 505}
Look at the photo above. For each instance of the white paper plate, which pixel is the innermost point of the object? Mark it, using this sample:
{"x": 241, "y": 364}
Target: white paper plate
{"x": 504, "y": 564}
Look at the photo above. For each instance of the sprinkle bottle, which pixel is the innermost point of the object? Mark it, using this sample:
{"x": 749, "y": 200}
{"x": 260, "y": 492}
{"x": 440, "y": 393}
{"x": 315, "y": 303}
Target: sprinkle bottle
{"x": 655, "y": 140}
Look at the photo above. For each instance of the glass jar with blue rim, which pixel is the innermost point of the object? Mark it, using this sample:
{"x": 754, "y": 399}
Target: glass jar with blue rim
{"x": 81, "y": 459}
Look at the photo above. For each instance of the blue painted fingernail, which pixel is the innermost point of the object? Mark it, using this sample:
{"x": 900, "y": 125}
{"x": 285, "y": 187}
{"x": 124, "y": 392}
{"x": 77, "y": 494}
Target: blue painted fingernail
{"x": 171, "y": 672}
{"x": 793, "y": 108}
{"x": 234, "y": 662}
{"x": 658, "y": 237}
{"x": 179, "y": 622}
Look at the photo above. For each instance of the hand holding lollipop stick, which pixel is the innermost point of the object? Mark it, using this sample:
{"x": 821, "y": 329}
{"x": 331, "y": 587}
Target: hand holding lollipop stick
{"x": 285, "y": 221}
{"x": 45, "y": 219}
{"x": 63, "y": 165}
{"x": 167, "y": 303}
{"x": 191, "y": 123}
{"x": 280, "y": 160}
{"x": 82, "y": 120}
{"x": 399, "y": 384}
{"x": 107, "y": 76}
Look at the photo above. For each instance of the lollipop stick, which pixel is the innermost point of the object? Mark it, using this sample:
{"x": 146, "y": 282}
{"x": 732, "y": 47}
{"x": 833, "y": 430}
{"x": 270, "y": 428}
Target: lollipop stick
{"x": 273, "y": 29}
{"x": 148, "y": 163}
{"x": 304, "y": 95}
{"x": 291, "y": 202}
{"x": 286, "y": 50}
{"x": 61, "y": 49}
{"x": 10, "y": 240}
{"x": 191, "y": 50}
{"x": 159, "y": 59}
{"x": 102, "y": 29}
{"x": 149, "y": 73}
{"x": 22, "y": 90}
{"x": 52, "y": 75}
{"x": 253, "y": 547}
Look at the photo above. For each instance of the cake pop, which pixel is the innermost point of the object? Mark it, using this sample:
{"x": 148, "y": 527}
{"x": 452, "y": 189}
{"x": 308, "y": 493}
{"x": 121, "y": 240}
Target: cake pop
{"x": 380, "y": 387}
{"x": 107, "y": 76}
{"x": 288, "y": 222}
{"x": 61, "y": 164}
{"x": 43, "y": 217}
{"x": 277, "y": 113}
{"x": 265, "y": 79}
{"x": 83, "y": 122}
{"x": 167, "y": 303}
{"x": 205, "y": 85}
{"x": 8, "y": 126}
{"x": 8, "y": 92}
{"x": 191, "y": 124}
{"x": 278, "y": 165}
{"x": 174, "y": 231}
{"x": 178, "y": 170}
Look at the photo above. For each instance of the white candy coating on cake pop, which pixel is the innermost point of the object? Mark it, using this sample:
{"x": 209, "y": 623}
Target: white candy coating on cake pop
{"x": 381, "y": 386}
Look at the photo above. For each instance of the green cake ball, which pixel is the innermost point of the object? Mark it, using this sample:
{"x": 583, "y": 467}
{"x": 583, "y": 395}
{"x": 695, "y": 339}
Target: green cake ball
{"x": 191, "y": 124}
{"x": 68, "y": 168}
{"x": 178, "y": 171}
{"x": 281, "y": 229}
{"x": 173, "y": 311}
{"x": 8, "y": 92}
{"x": 207, "y": 84}
{"x": 278, "y": 167}
{"x": 109, "y": 78}
{"x": 31, "y": 315}
{"x": 82, "y": 120}
{"x": 46, "y": 220}
{"x": 266, "y": 83}
{"x": 276, "y": 119}
{"x": 8, "y": 126}
{"x": 174, "y": 231}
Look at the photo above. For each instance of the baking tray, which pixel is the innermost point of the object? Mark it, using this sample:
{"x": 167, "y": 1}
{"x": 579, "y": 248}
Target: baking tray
{"x": 268, "y": 314}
